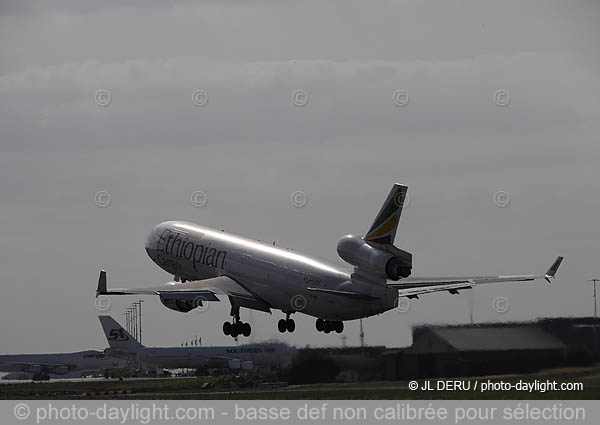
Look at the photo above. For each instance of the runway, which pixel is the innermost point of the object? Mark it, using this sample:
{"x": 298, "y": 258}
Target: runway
{"x": 242, "y": 387}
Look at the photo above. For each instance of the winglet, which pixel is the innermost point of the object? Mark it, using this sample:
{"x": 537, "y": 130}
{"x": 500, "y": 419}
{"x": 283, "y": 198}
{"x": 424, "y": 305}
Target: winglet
{"x": 553, "y": 269}
{"x": 101, "y": 284}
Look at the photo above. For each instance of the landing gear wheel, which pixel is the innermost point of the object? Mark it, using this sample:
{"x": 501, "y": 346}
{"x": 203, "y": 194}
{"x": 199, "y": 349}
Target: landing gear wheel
{"x": 282, "y": 325}
{"x": 246, "y": 329}
{"x": 290, "y": 325}
{"x": 227, "y": 328}
{"x": 328, "y": 326}
{"x": 320, "y": 325}
{"x": 235, "y": 330}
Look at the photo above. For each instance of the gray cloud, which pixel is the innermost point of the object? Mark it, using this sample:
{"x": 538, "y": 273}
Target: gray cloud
{"x": 151, "y": 100}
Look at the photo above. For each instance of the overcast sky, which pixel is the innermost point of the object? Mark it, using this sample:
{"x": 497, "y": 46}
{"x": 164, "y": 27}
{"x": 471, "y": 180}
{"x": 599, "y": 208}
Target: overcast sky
{"x": 502, "y": 97}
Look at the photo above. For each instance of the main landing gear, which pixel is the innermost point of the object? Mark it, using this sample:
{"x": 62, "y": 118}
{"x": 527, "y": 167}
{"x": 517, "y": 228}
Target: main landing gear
{"x": 286, "y": 324}
{"x": 327, "y": 326}
{"x": 237, "y": 327}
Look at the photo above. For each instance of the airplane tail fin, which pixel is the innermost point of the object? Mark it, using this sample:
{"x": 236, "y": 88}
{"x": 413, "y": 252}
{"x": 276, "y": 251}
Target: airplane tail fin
{"x": 117, "y": 337}
{"x": 383, "y": 229}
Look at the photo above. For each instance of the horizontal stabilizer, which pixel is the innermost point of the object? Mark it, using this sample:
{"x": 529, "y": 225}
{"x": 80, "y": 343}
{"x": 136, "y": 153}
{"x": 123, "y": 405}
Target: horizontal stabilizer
{"x": 342, "y": 293}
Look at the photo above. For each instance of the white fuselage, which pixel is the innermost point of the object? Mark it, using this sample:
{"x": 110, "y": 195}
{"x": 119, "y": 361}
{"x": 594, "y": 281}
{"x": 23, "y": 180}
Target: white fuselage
{"x": 58, "y": 363}
{"x": 267, "y": 354}
{"x": 276, "y": 275}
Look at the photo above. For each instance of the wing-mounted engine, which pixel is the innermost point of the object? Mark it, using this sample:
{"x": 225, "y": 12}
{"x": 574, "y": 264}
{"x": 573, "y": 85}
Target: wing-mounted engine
{"x": 33, "y": 368}
{"x": 234, "y": 364}
{"x": 61, "y": 370}
{"x": 185, "y": 302}
{"x": 383, "y": 261}
{"x": 174, "y": 303}
{"x": 240, "y": 364}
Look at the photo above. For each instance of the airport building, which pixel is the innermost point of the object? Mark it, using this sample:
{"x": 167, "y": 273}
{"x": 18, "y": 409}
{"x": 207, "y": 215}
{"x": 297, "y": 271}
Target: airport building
{"x": 475, "y": 350}
{"x": 460, "y": 350}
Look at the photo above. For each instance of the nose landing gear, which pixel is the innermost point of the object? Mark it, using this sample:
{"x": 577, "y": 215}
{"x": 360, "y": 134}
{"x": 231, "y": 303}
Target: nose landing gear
{"x": 327, "y": 326}
{"x": 286, "y": 324}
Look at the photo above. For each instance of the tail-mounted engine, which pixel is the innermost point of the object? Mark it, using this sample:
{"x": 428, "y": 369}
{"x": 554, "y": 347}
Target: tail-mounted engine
{"x": 385, "y": 261}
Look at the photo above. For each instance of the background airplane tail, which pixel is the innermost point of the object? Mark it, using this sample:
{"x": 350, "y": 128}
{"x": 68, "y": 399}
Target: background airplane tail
{"x": 117, "y": 337}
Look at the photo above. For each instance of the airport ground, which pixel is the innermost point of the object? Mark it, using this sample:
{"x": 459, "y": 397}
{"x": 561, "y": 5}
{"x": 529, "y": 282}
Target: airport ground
{"x": 245, "y": 387}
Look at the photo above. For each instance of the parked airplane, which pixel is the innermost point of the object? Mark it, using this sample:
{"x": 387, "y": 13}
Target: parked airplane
{"x": 41, "y": 366}
{"x": 124, "y": 346}
{"x": 260, "y": 276}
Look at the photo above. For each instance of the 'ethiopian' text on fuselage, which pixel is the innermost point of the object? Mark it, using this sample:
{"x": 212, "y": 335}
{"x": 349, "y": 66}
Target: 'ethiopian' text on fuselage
{"x": 176, "y": 244}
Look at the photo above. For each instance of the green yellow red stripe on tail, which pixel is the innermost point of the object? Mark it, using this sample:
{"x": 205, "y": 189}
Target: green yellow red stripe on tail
{"x": 383, "y": 229}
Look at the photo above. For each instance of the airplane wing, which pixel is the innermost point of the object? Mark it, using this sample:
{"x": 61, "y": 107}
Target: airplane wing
{"x": 414, "y": 286}
{"x": 204, "y": 290}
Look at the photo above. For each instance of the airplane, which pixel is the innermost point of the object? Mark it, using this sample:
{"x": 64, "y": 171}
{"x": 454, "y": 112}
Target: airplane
{"x": 41, "y": 366}
{"x": 124, "y": 346}
{"x": 255, "y": 275}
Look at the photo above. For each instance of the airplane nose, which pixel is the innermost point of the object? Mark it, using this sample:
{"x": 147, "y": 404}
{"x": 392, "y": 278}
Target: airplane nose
{"x": 150, "y": 240}
{"x": 153, "y": 238}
